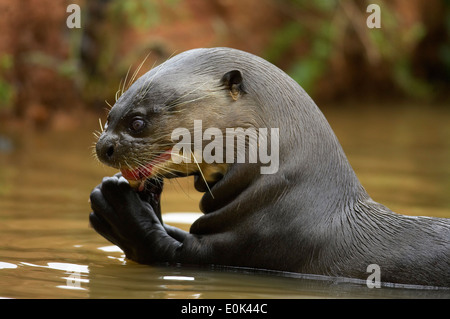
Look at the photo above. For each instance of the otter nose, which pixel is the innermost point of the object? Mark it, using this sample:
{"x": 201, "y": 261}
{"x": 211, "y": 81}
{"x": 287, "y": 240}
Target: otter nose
{"x": 110, "y": 151}
{"x": 105, "y": 149}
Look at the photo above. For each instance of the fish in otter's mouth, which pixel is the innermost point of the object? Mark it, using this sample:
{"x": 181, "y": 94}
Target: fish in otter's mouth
{"x": 137, "y": 177}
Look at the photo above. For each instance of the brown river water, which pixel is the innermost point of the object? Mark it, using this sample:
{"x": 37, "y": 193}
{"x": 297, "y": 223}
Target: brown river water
{"x": 48, "y": 250}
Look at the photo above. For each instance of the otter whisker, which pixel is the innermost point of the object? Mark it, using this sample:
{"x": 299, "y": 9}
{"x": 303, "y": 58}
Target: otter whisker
{"x": 137, "y": 70}
{"x": 110, "y": 106}
{"x": 128, "y": 165}
{"x": 166, "y": 170}
{"x": 125, "y": 81}
{"x": 161, "y": 67}
{"x": 101, "y": 125}
{"x": 189, "y": 101}
{"x": 96, "y": 134}
{"x": 175, "y": 102}
{"x": 177, "y": 181}
{"x": 124, "y": 85}
{"x": 118, "y": 91}
{"x": 94, "y": 152}
{"x": 142, "y": 90}
{"x": 147, "y": 88}
{"x": 204, "y": 179}
{"x": 185, "y": 159}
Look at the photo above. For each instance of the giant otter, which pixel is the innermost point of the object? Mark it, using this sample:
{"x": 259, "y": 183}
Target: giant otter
{"x": 311, "y": 216}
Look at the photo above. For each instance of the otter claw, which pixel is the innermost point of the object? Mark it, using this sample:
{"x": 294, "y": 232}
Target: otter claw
{"x": 137, "y": 184}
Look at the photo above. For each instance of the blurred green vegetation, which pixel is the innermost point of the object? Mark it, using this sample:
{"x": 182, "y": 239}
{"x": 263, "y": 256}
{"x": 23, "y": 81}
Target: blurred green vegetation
{"x": 139, "y": 13}
{"x": 309, "y": 67}
{"x": 324, "y": 45}
{"x": 106, "y": 68}
{"x": 329, "y": 27}
{"x": 322, "y": 26}
{"x": 7, "y": 90}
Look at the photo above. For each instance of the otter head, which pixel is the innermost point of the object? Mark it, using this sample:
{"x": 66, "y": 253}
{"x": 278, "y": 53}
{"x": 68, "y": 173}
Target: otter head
{"x": 138, "y": 138}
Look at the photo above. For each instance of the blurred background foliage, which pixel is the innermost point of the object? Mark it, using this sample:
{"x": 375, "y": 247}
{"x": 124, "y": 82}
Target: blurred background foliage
{"x": 48, "y": 71}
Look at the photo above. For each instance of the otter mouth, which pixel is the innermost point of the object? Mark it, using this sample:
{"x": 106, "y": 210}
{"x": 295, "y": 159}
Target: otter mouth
{"x": 137, "y": 177}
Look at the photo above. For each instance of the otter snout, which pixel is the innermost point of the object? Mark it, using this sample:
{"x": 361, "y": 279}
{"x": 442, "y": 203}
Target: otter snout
{"x": 106, "y": 150}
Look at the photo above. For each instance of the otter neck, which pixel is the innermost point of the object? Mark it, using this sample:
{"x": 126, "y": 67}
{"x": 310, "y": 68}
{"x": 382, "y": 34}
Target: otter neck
{"x": 311, "y": 156}
{"x": 311, "y": 159}
{"x": 323, "y": 180}
{"x": 318, "y": 172}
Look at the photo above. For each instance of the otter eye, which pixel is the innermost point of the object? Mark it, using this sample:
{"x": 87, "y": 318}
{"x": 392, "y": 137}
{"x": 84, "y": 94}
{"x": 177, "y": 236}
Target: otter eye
{"x": 137, "y": 125}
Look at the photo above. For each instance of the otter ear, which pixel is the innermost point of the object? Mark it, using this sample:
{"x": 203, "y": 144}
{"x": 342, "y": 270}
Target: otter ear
{"x": 233, "y": 82}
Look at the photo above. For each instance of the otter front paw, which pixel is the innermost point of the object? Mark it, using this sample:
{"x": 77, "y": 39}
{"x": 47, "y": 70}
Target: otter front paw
{"x": 124, "y": 218}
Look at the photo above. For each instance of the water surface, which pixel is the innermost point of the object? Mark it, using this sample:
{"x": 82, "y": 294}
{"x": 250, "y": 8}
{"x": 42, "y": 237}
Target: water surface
{"x": 48, "y": 250}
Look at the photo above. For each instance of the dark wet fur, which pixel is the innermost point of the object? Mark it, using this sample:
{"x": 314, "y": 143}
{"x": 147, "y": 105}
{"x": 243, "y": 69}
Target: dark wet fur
{"x": 312, "y": 216}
